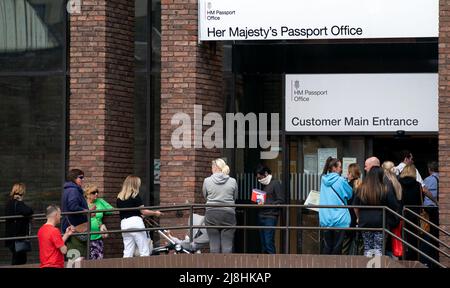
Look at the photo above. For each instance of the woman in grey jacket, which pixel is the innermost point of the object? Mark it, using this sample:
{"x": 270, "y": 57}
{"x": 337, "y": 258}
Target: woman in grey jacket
{"x": 220, "y": 188}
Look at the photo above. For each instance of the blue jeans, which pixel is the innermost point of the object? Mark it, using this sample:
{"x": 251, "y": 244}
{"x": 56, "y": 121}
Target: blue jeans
{"x": 267, "y": 236}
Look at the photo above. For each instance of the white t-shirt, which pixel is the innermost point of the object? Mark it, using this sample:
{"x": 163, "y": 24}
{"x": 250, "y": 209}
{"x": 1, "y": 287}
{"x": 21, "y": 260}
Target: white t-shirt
{"x": 402, "y": 165}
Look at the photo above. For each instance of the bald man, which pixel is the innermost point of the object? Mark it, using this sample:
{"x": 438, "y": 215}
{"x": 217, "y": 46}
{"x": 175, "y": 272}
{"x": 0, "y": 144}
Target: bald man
{"x": 371, "y": 162}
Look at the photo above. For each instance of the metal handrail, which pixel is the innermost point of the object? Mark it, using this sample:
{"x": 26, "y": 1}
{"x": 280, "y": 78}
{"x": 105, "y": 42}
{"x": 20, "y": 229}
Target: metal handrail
{"x": 194, "y": 206}
{"x": 415, "y": 249}
{"x": 419, "y": 228}
{"x": 418, "y": 237}
{"x": 423, "y": 240}
{"x": 162, "y": 208}
{"x": 423, "y": 219}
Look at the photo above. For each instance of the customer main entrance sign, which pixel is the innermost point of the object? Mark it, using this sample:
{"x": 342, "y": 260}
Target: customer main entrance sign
{"x": 361, "y": 102}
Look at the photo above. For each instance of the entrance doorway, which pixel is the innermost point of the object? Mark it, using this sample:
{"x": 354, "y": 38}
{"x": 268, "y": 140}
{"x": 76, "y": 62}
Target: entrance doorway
{"x": 306, "y": 157}
{"x": 423, "y": 149}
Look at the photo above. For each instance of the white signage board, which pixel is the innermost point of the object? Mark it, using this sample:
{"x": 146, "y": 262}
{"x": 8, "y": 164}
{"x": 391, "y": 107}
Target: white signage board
{"x": 361, "y": 102}
{"x": 317, "y": 19}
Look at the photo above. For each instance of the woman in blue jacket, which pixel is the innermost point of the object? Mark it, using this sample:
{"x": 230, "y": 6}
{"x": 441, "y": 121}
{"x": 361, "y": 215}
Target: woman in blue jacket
{"x": 334, "y": 190}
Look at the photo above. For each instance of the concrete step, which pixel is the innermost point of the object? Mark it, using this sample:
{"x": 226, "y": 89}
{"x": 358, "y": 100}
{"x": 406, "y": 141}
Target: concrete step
{"x": 247, "y": 261}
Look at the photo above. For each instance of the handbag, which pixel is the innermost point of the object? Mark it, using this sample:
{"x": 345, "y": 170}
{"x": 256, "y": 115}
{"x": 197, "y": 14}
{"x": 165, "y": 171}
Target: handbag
{"x": 397, "y": 245}
{"x": 423, "y": 224}
{"x": 424, "y": 214}
{"x": 81, "y": 228}
{"x": 22, "y": 246}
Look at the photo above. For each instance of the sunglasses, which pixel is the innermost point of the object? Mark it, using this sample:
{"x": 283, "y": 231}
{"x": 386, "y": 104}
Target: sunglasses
{"x": 94, "y": 192}
{"x": 81, "y": 177}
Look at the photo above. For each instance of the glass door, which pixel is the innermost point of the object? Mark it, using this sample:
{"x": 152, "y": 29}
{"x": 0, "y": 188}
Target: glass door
{"x": 307, "y": 158}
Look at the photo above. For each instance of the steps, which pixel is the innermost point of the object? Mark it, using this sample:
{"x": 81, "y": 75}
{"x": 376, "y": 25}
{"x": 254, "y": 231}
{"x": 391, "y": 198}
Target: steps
{"x": 247, "y": 261}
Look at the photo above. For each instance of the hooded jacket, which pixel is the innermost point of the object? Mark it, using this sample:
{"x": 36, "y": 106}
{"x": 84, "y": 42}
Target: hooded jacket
{"x": 220, "y": 189}
{"x": 334, "y": 217}
{"x": 72, "y": 201}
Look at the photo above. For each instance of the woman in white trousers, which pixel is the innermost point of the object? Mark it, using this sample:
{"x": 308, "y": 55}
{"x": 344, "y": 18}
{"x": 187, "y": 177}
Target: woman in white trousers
{"x": 132, "y": 219}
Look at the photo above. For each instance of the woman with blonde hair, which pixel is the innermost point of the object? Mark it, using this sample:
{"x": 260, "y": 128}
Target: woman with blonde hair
{"x": 390, "y": 173}
{"x": 17, "y": 227}
{"x": 412, "y": 190}
{"x": 129, "y": 198}
{"x": 95, "y": 203}
{"x": 220, "y": 188}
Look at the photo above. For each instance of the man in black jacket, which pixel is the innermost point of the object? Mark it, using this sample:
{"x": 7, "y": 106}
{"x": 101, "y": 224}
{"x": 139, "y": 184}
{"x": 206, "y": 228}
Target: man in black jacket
{"x": 269, "y": 216}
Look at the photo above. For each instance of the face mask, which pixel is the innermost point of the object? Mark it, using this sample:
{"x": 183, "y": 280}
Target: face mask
{"x": 266, "y": 180}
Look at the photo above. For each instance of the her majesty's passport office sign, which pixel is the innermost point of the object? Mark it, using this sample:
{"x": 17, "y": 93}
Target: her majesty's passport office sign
{"x": 221, "y": 20}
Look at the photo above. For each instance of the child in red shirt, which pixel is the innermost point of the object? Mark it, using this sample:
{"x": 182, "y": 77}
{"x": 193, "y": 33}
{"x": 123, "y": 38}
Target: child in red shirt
{"x": 51, "y": 244}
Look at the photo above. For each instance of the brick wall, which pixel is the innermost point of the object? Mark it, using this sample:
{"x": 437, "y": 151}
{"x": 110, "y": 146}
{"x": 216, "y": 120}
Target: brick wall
{"x": 101, "y": 98}
{"x": 444, "y": 119}
{"x": 243, "y": 261}
{"x": 190, "y": 74}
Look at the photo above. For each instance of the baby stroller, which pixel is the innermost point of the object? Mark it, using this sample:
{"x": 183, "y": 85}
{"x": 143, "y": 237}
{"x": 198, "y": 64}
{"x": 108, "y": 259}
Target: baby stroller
{"x": 200, "y": 238}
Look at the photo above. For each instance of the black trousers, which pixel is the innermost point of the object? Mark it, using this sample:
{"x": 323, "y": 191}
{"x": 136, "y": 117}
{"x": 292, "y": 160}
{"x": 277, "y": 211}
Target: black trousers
{"x": 410, "y": 254}
{"x": 427, "y": 249}
{"x": 18, "y": 258}
{"x": 332, "y": 242}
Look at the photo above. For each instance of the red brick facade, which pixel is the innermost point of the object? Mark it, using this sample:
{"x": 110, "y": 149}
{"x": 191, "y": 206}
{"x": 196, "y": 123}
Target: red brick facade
{"x": 101, "y": 100}
{"x": 191, "y": 73}
{"x": 444, "y": 120}
{"x": 101, "y": 96}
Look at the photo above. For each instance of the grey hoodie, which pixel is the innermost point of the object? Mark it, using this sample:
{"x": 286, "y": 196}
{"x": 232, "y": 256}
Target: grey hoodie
{"x": 220, "y": 189}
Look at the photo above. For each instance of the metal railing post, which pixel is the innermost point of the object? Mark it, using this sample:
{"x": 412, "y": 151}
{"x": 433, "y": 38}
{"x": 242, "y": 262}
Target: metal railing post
{"x": 287, "y": 232}
{"x": 319, "y": 233}
{"x": 384, "y": 231}
{"x": 191, "y": 223}
{"x": 403, "y": 235}
{"x": 245, "y": 231}
{"x": 88, "y": 249}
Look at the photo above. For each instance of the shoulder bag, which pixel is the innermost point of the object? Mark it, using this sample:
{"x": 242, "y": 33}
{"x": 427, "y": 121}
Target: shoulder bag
{"x": 81, "y": 228}
{"x": 343, "y": 202}
{"x": 424, "y": 225}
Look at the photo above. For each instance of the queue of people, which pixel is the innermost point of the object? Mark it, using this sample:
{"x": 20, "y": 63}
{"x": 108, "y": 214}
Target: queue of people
{"x": 383, "y": 185}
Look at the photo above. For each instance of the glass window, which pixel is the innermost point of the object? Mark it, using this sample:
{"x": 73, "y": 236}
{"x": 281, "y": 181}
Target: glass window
{"x": 147, "y": 97}
{"x": 32, "y": 34}
{"x": 31, "y": 142}
{"x": 32, "y": 103}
